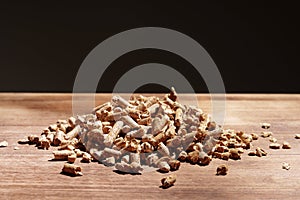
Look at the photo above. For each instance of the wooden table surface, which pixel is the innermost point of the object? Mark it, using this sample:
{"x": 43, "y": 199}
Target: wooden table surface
{"x": 27, "y": 173}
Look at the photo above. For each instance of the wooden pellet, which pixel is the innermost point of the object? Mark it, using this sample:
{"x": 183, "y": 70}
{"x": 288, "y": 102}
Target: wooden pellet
{"x": 274, "y": 146}
{"x": 168, "y": 181}
{"x": 260, "y": 152}
{"x": 174, "y": 164}
{"x": 72, "y": 170}
{"x": 272, "y": 139}
{"x": 145, "y": 130}
{"x": 222, "y": 169}
{"x": 265, "y": 134}
{"x": 252, "y": 153}
{"x": 86, "y": 158}
{"x": 3, "y": 144}
{"x": 254, "y": 136}
{"x": 286, "y": 166}
{"x": 33, "y": 139}
{"x": 72, "y": 158}
{"x": 286, "y": 145}
{"x": 265, "y": 125}
{"x": 163, "y": 166}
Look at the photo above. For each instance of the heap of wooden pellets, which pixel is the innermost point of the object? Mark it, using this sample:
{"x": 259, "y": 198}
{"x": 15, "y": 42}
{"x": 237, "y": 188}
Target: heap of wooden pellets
{"x": 140, "y": 133}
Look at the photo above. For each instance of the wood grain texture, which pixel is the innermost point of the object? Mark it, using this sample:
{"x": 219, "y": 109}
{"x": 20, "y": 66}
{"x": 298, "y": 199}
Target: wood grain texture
{"x": 27, "y": 173}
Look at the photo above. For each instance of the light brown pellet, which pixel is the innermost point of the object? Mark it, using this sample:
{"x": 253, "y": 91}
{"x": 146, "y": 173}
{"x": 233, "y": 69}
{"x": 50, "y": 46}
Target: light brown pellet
{"x": 222, "y": 169}
{"x": 265, "y": 125}
{"x": 274, "y": 146}
{"x": 72, "y": 170}
{"x": 168, "y": 181}
{"x": 286, "y": 145}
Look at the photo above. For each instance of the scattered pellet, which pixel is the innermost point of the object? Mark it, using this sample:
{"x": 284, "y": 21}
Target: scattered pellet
{"x": 72, "y": 158}
{"x": 297, "y": 136}
{"x": 16, "y": 148}
{"x": 252, "y": 153}
{"x": 286, "y": 145}
{"x": 286, "y": 166}
{"x": 3, "y": 144}
{"x": 272, "y": 139}
{"x": 265, "y": 125}
{"x": 254, "y": 136}
{"x": 72, "y": 170}
{"x": 168, "y": 181}
{"x": 260, "y": 152}
{"x": 274, "y": 146}
{"x": 222, "y": 169}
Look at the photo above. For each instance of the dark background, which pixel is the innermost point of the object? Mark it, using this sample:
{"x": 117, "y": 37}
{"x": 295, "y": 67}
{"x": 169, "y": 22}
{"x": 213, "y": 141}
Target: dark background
{"x": 255, "y": 44}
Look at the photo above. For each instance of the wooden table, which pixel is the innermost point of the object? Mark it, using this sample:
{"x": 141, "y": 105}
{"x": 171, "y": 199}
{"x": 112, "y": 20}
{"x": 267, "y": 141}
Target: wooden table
{"x": 27, "y": 173}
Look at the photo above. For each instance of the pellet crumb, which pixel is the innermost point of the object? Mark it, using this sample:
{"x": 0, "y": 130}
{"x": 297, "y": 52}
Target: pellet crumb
{"x": 297, "y": 136}
{"x": 254, "y": 136}
{"x": 16, "y": 148}
{"x": 266, "y": 134}
{"x": 265, "y": 125}
{"x": 168, "y": 181}
{"x": 222, "y": 169}
{"x": 3, "y": 144}
{"x": 72, "y": 170}
{"x": 286, "y": 166}
{"x": 260, "y": 152}
{"x": 286, "y": 145}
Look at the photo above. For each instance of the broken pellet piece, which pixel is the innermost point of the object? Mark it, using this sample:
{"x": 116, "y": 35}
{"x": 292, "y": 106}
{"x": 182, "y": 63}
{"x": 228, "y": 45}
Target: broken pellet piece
{"x": 286, "y": 166}
{"x": 168, "y": 181}
{"x": 86, "y": 158}
{"x": 297, "y": 136}
{"x": 272, "y": 139}
{"x": 110, "y": 161}
{"x": 3, "y": 144}
{"x": 234, "y": 154}
{"x": 62, "y": 155}
{"x": 286, "y": 145}
{"x": 222, "y": 169}
{"x": 72, "y": 169}
{"x": 265, "y": 125}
